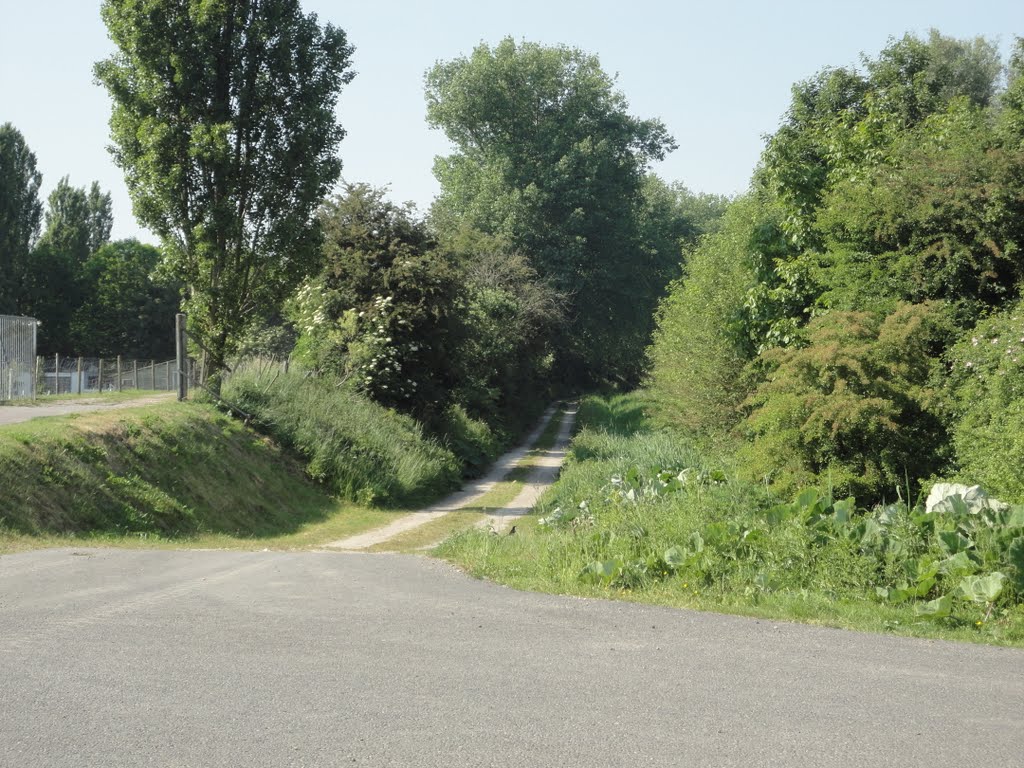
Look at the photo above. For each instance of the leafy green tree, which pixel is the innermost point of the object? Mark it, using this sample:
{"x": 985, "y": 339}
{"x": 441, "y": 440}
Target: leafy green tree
{"x": 379, "y": 314}
{"x": 78, "y": 222}
{"x": 1011, "y": 101}
{"x": 224, "y": 124}
{"x": 129, "y": 305}
{"x": 50, "y": 291}
{"x": 52, "y": 286}
{"x": 101, "y": 217}
{"x": 943, "y": 218}
{"x": 20, "y": 212}
{"x": 504, "y": 332}
{"x": 549, "y": 159}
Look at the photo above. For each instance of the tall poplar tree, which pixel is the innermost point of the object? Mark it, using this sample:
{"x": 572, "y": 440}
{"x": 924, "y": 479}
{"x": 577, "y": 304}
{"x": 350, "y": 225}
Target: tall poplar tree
{"x": 223, "y": 122}
{"x": 20, "y": 212}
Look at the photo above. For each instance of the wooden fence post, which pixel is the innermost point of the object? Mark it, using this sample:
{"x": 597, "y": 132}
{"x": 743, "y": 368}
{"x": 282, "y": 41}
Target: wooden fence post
{"x": 181, "y": 344}
{"x": 99, "y": 380}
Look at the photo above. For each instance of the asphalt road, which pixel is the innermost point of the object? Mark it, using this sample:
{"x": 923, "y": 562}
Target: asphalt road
{"x": 130, "y": 658}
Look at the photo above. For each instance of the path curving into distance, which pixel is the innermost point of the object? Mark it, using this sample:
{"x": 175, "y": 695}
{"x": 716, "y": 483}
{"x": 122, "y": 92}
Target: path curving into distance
{"x": 543, "y": 471}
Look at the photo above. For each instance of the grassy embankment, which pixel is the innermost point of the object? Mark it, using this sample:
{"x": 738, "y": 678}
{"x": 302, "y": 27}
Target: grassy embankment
{"x": 324, "y": 465}
{"x": 644, "y": 514}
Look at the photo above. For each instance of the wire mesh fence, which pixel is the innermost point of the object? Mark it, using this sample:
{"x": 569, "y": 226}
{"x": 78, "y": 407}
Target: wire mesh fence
{"x": 17, "y": 356}
{"x": 57, "y": 375}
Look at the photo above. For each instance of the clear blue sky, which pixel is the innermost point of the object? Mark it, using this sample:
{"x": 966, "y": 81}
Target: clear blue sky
{"x": 718, "y": 73}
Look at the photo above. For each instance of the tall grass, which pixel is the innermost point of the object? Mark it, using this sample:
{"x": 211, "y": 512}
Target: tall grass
{"x": 357, "y": 449}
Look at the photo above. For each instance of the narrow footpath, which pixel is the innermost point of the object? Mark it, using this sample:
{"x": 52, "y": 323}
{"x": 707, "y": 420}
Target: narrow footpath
{"x": 540, "y": 465}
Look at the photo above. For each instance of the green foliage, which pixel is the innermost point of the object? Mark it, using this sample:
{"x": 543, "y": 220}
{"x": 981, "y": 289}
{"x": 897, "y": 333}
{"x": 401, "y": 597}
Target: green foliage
{"x": 504, "y": 331}
{"x": 50, "y": 291}
{"x": 702, "y": 343}
{"x": 224, "y": 124}
{"x": 357, "y": 449}
{"x": 129, "y": 305}
{"x": 20, "y": 212}
{"x": 897, "y": 184}
{"x": 549, "y": 160}
{"x": 986, "y": 384}
{"x": 380, "y": 312}
{"x": 78, "y": 222}
{"x": 1011, "y": 114}
{"x": 473, "y": 441}
{"x": 861, "y": 168}
{"x": 940, "y": 218}
{"x": 852, "y": 406}
{"x": 50, "y": 283}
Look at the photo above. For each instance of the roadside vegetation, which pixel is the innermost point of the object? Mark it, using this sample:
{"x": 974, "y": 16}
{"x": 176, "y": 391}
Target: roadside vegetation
{"x": 818, "y": 355}
{"x": 648, "y": 513}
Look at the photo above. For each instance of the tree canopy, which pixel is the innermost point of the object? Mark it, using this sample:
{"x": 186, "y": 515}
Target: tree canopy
{"x": 550, "y": 160}
{"x": 20, "y": 212}
{"x": 223, "y": 122}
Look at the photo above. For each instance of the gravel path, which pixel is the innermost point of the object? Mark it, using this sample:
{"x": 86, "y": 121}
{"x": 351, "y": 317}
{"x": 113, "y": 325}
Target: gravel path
{"x": 547, "y": 464}
{"x": 275, "y": 659}
{"x": 463, "y": 498}
{"x": 15, "y": 414}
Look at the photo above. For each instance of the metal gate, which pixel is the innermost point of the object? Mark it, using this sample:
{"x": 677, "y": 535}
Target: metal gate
{"x": 17, "y": 357}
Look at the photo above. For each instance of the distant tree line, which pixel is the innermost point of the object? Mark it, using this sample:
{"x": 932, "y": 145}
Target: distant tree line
{"x": 57, "y": 264}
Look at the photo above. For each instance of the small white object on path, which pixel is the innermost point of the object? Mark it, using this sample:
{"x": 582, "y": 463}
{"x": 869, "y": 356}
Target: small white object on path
{"x": 473, "y": 491}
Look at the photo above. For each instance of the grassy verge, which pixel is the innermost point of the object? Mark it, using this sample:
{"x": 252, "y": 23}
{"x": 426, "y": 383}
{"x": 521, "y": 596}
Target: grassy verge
{"x": 647, "y": 515}
{"x": 164, "y": 475}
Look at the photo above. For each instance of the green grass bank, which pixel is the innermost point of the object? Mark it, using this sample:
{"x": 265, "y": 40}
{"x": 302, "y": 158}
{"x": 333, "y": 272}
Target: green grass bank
{"x": 316, "y": 463}
{"x": 164, "y": 471}
{"x": 648, "y": 514}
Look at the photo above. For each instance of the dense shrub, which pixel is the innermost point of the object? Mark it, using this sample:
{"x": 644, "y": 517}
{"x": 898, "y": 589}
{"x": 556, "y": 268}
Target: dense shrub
{"x": 987, "y": 384}
{"x": 700, "y": 346}
{"x": 852, "y": 407}
{"x": 379, "y": 314}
